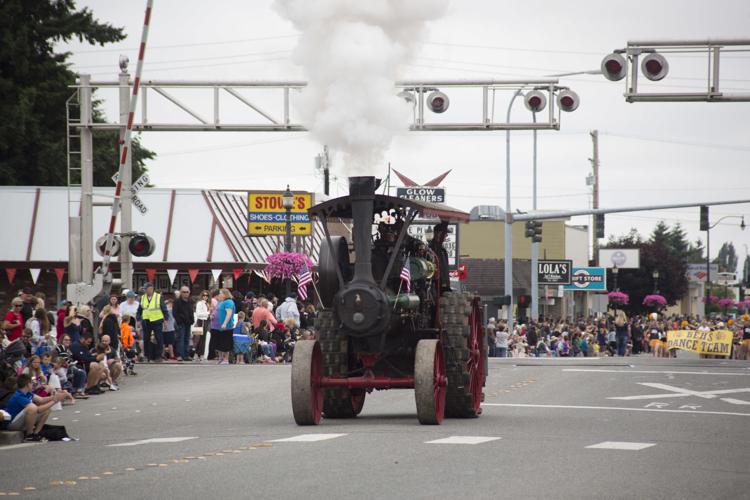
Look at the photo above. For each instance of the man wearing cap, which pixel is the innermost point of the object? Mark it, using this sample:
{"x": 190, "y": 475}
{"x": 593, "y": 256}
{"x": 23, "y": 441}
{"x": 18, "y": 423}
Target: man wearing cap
{"x": 440, "y": 232}
{"x": 151, "y": 313}
{"x": 182, "y": 310}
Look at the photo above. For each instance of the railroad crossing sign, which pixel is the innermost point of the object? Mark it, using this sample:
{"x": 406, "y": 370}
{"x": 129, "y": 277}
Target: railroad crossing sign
{"x": 266, "y": 214}
{"x": 142, "y": 181}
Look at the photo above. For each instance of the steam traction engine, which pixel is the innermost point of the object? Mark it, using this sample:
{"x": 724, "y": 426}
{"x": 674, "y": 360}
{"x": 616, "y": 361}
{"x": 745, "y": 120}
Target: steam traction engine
{"x": 383, "y": 327}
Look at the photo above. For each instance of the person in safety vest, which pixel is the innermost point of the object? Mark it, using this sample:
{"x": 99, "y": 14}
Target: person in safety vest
{"x": 151, "y": 313}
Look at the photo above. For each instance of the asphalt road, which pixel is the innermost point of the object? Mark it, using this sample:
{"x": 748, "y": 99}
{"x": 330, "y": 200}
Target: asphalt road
{"x": 682, "y": 428}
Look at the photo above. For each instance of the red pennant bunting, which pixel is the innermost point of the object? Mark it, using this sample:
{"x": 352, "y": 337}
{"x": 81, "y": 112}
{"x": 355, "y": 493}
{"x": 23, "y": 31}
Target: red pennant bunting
{"x": 193, "y": 273}
{"x": 151, "y": 274}
{"x": 237, "y": 272}
{"x": 60, "y": 272}
{"x": 11, "y": 272}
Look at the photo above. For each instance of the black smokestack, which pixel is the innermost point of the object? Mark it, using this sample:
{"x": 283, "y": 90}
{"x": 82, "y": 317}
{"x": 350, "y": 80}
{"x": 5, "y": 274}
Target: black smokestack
{"x": 362, "y": 194}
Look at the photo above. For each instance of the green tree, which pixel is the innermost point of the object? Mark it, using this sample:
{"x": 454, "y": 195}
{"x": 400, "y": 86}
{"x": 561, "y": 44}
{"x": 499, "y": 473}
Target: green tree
{"x": 695, "y": 252}
{"x": 727, "y": 258}
{"x": 656, "y": 254}
{"x": 34, "y": 86}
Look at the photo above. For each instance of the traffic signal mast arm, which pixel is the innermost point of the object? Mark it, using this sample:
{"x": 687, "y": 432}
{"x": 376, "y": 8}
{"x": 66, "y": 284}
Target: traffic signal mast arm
{"x": 561, "y": 214}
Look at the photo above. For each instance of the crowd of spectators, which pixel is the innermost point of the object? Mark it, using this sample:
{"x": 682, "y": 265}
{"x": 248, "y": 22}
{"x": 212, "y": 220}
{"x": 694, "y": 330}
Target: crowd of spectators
{"x": 610, "y": 335}
{"x": 53, "y": 358}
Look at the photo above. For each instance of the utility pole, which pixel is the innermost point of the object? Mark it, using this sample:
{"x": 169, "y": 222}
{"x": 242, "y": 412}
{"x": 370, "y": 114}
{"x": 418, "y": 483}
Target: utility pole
{"x": 322, "y": 162}
{"x": 87, "y": 182}
{"x": 595, "y": 194}
{"x": 126, "y": 223}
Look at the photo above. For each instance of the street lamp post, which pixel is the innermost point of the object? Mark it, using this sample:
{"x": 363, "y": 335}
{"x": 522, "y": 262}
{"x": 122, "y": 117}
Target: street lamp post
{"x": 615, "y": 271}
{"x": 707, "y": 309}
{"x": 655, "y": 275}
{"x": 287, "y": 199}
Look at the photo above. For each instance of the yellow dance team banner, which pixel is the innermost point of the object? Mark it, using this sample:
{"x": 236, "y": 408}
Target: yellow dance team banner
{"x": 717, "y": 342}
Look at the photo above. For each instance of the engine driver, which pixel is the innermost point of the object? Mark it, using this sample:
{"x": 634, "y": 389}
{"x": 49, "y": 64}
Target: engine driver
{"x": 439, "y": 233}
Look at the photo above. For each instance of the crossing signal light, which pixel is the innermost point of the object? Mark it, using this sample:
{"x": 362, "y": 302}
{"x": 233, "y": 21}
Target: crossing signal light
{"x": 614, "y": 67}
{"x": 101, "y": 244}
{"x": 568, "y": 100}
{"x": 704, "y": 218}
{"x": 524, "y": 301}
{"x": 535, "y": 101}
{"x": 534, "y": 231}
{"x": 654, "y": 67}
{"x": 437, "y": 102}
{"x": 599, "y": 223}
{"x": 141, "y": 245}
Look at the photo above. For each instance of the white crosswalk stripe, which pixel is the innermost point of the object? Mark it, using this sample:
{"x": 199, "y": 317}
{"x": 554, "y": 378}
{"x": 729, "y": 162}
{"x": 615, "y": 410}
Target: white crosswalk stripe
{"x": 463, "y": 440}
{"x": 621, "y": 445}
{"x": 307, "y": 438}
{"x": 155, "y": 440}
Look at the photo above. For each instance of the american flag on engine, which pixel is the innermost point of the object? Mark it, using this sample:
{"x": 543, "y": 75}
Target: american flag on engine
{"x": 406, "y": 274}
{"x": 304, "y": 279}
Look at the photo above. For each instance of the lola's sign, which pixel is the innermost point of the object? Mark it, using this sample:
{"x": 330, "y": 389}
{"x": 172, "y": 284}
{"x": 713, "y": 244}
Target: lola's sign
{"x": 554, "y": 272}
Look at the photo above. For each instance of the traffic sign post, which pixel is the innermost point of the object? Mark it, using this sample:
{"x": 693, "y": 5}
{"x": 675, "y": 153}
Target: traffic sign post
{"x": 266, "y": 215}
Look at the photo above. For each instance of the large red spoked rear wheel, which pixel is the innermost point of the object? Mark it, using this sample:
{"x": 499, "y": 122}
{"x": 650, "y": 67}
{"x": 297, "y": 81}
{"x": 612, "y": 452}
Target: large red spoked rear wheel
{"x": 430, "y": 382}
{"x": 307, "y": 395}
{"x": 465, "y": 354}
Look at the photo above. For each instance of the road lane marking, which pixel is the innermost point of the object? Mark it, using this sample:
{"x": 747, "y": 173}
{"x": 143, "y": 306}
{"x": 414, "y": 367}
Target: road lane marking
{"x": 671, "y": 372}
{"x": 19, "y": 445}
{"x": 307, "y": 438}
{"x": 616, "y": 408}
{"x": 155, "y": 440}
{"x": 620, "y": 445}
{"x": 677, "y": 392}
{"x": 735, "y": 401}
{"x": 463, "y": 440}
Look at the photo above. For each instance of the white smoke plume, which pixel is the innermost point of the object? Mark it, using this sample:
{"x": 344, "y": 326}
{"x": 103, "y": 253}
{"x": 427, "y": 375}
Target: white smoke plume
{"x": 351, "y": 52}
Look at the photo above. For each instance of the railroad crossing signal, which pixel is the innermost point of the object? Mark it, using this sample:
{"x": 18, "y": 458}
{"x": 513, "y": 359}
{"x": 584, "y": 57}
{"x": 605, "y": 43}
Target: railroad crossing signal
{"x": 141, "y": 245}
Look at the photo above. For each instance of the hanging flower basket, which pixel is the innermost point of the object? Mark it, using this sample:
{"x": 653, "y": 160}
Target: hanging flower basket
{"x": 726, "y": 303}
{"x": 656, "y": 301}
{"x": 618, "y": 298}
{"x": 284, "y": 265}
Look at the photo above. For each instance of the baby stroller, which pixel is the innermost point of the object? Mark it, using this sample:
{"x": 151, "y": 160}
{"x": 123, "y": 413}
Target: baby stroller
{"x": 128, "y": 357}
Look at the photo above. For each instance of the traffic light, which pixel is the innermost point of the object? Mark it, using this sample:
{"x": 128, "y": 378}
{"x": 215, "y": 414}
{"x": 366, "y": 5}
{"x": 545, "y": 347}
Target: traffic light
{"x": 535, "y": 101}
{"x": 141, "y": 245}
{"x": 654, "y": 67}
{"x": 437, "y": 102}
{"x": 599, "y": 225}
{"x": 504, "y": 300}
{"x": 704, "y": 218}
{"x": 568, "y": 100}
{"x": 524, "y": 301}
{"x": 534, "y": 231}
{"x": 101, "y": 243}
{"x": 614, "y": 67}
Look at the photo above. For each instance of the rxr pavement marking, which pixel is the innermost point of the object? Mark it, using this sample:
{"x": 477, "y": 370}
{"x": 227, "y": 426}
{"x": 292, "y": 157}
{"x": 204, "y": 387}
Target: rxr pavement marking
{"x": 679, "y": 392}
{"x": 463, "y": 440}
{"x": 155, "y": 440}
{"x": 307, "y": 438}
{"x": 620, "y": 445}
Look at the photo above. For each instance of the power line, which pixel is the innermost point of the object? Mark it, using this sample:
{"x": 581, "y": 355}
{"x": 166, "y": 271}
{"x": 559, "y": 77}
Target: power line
{"x": 194, "y": 44}
{"x": 212, "y": 58}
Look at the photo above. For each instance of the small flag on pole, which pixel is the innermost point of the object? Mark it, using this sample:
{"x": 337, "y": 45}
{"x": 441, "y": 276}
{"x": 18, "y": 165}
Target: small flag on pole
{"x": 304, "y": 279}
{"x": 406, "y": 274}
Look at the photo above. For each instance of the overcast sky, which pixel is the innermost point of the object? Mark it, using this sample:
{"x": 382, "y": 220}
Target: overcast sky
{"x": 650, "y": 153}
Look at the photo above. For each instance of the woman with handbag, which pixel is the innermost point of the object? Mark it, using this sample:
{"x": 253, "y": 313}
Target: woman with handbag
{"x": 200, "y": 326}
